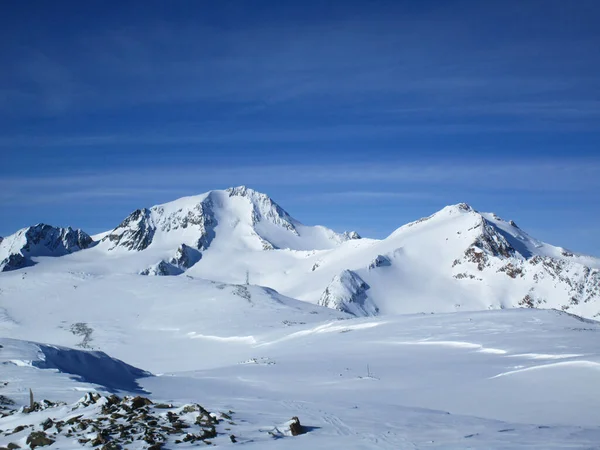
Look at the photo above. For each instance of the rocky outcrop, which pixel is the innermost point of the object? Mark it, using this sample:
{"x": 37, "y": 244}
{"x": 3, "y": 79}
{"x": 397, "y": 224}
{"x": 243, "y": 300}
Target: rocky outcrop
{"x": 498, "y": 251}
{"x": 350, "y": 235}
{"x": 17, "y": 250}
{"x": 13, "y": 262}
{"x": 161, "y": 269}
{"x": 134, "y": 233}
{"x": 112, "y": 422}
{"x": 184, "y": 258}
{"x": 380, "y": 261}
{"x": 347, "y": 292}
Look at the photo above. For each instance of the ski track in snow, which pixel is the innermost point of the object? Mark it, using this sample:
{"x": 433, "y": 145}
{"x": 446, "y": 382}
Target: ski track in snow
{"x": 452, "y": 344}
{"x": 242, "y": 339}
{"x": 578, "y": 364}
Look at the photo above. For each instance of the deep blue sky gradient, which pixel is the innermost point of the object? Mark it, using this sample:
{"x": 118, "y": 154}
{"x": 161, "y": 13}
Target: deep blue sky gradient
{"x": 352, "y": 114}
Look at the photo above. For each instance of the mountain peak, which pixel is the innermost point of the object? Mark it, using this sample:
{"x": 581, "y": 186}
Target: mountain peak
{"x": 264, "y": 208}
{"x": 459, "y": 208}
{"x": 242, "y": 191}
{"x": 242, "y": 216}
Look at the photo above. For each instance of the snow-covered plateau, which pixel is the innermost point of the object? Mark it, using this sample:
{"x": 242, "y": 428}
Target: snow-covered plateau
{"x": 216, "y": 319}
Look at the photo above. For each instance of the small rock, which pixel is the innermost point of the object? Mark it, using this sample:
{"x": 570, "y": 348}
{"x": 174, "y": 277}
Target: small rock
{"x": 47, "y": 424}
{"x": 163, "y": 406}
{"x": 38, "y": 439}
{"x": 73, "y": 420}
{"x": 139, "y": 402}
{"x": 98, "y": 440}
{"x": 113, "y": 400}
{"x": 295, "y": 427}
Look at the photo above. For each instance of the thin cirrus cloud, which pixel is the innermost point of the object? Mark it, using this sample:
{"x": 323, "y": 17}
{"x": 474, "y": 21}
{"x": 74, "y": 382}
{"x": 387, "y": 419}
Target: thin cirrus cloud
{"x": 404, "y": 60}
{"x": 568, "y": 117}
{"x": 342, "y": 181}
{"x": 358, "y": 196}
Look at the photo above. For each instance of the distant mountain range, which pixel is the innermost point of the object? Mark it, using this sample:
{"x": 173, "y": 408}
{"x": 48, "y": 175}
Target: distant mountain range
{"x": 456, "y": 259}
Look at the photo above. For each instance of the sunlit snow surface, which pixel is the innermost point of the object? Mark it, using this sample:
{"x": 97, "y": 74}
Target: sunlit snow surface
{"x": 255, "y": 340}
{"x": 493, "y": 379}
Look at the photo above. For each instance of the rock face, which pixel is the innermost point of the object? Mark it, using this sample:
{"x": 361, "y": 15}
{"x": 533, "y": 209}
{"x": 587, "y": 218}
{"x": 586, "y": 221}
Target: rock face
{"x": 184, "y": 258}
{"x": 380, "y": 261}
{"x": 347, "y": 293}
{"x": 17, "y": 250}
{"x": 161, "y": 269}
{"x": 135, "y": 232}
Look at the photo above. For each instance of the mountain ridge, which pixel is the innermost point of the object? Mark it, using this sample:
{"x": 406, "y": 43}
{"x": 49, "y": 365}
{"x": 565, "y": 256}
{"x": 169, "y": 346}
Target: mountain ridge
{"x": 457, "y": 258}
{"x": 41, "y": 239}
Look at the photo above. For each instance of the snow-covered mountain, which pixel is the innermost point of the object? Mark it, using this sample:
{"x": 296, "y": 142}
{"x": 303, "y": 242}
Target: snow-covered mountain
{"x": 456, "y": 259}
{"x": 246, "y": 219}
{"x": 17, "y": 249}
{"x": 252, "y": 315}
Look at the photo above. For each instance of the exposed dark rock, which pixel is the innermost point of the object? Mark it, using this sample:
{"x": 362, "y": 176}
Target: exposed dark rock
{"x": 48, "y": 423}
{"x": 138, "y": 402}
{"x": 347, "y": 292}
{"x": 44, "y": 240}
{"x": 380, "y": 261}
{"x": 14, "y": 262}
{"x": 39, "y": 439}
{"x": 185, "y": 257}
{"x": 295, "y": 427}
{"x": 5, "y": 401}
{"x": 135, "y": 232}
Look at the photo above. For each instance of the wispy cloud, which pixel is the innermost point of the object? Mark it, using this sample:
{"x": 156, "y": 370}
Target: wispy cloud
{"x": 423, "y": 121}
{"x": 65, "y": 191}
{"x": 353, "y": 181}
{"x": 360, "y": 196}
{"x": 399, "y": 60}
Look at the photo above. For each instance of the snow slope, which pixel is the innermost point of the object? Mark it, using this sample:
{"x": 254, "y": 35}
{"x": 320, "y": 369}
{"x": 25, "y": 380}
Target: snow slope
{"x": 132, "y": 317}
{"x": 489, "y": 380}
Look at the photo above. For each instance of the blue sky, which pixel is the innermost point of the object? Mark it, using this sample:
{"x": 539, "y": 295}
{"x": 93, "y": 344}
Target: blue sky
{"x": 352, "y": 114}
